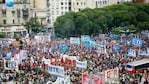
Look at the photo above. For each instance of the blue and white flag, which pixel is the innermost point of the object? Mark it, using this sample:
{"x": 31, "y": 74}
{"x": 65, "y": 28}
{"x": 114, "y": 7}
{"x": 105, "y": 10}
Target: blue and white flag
{"x": 63, "y": 47}
{"x": 82, "y": 65}
{"x": 136, "y": 41}
{"x": 56, "y": 71}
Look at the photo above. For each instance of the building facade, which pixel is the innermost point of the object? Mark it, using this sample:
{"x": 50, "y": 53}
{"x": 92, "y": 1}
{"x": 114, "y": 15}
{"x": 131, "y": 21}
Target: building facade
{"x": 38, "y": 10}
{"x": 12, "y": 18}
{"x": 140, "y": 1}
{"x": 78, "y": 5}
{"x": 15, "y": 15}
{"x": 57, "y": 8}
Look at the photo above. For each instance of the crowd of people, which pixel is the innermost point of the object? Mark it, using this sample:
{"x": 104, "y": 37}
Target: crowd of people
{"x": 32, "y": 69}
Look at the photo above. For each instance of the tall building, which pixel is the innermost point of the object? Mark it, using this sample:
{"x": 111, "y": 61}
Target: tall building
{"x": 11, "y": 18}
{"x": 122, "y": 1}
{"x": 57, "y": 8}
{"x": 38, "y": 10}
{"x": 78, "y": 5}
{"x": 140, "y": 1}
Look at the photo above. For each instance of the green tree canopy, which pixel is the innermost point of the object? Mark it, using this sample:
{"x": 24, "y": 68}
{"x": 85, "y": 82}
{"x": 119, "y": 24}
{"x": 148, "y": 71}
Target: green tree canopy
{"x": 103, "y": 20}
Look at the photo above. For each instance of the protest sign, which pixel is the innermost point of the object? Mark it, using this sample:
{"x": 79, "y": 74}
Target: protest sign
{"x": 74, "y": 40}
{"x": 131, "y": 53}
{"x": 80, "y": 64}
{"x": 59, "y": 80}
{"x": 85, "y": 38}
{"x": 8, "y": 56}
{"x": 69, "y": 61}
{"x": 56, "y": 70}
{"x": 91, "y": 79}
{"x": 111, "y": 75}
{"x": 63, "y": 47}
{"x": 116, "y": 47}
{"x": 136, "y": 41}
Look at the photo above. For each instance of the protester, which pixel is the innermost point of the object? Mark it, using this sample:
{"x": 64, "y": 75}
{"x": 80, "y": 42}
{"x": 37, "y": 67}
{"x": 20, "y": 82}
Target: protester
{"x": 98, "y": 60}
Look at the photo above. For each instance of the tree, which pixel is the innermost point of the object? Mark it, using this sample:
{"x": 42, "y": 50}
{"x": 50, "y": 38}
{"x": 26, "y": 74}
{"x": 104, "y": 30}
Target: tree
{"x": 32, "y": 25}
{"x": 103, "y": 20}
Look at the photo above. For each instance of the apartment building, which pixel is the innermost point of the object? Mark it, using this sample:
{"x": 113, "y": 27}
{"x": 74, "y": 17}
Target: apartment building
{"x": 57, "y": 8}
{"x": 140, "y": 1}
{"x": 78, "y": 5}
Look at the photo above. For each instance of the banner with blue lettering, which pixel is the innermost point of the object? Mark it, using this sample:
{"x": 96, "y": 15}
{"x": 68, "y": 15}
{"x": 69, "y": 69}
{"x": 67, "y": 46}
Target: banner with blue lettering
{"x": 136, "y": 41}
{"x": 131, "y": 53}
{"x": 9, "y": 3}
{"x": 63, "y": 47}
{"x": 82, "y": 65}
{"x": 56, "y": 71}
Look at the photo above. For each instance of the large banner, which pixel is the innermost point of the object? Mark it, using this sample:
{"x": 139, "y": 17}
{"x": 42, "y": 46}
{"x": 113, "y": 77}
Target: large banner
{"x": 111, "y": 75}
{"x": 74, "y": 40}
{"x": 11, "y": 65}
{"x": 56, "y": 71}
{"x": 82, "y": 65}
{"x": 92, "y": 79}
{"x": 59, "y": 80}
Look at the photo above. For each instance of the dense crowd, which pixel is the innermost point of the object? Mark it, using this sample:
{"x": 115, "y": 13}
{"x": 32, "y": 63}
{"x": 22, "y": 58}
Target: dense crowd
{"x": 96, "y": 61}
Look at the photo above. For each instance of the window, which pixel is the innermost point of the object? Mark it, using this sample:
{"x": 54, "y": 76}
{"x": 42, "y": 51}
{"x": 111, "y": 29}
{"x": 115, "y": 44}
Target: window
{"x": 62, "y": 8}
{"x": 4, "y": 12}
{"x": 3, "y": 1}
{"x": 19, "y": 21}
{"x": 77, "y": 3}
{"x": 79, "y": 9}
{"x": 18, "y": 13}
{"x": 61, "y": 3}
{"x": 4, "y": 21}
{"x": 65, "y": 3}
{"x": 13, "y": 13}
{"x": 65, "y": 8}
{"x": 13, "y": 21}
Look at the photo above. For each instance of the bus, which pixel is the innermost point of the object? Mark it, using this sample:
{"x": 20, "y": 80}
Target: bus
{"x": 137, "y": 66}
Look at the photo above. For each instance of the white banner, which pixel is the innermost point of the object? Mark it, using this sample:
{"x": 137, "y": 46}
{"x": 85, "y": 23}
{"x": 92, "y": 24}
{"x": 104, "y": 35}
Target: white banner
{"x": 75, "y": 40}
{"x": 131, "y": 53}
{"x": 11, "y": 65}
{"x": 144, "y": 53}
{"x": 59, "y": 80}
{"x": 69, "y": 57}
{"x": 80, "y": 64}
{"x": 23, "y": 54}
{"x": 56, "y": 70}
{"x": 111, "y": 75}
